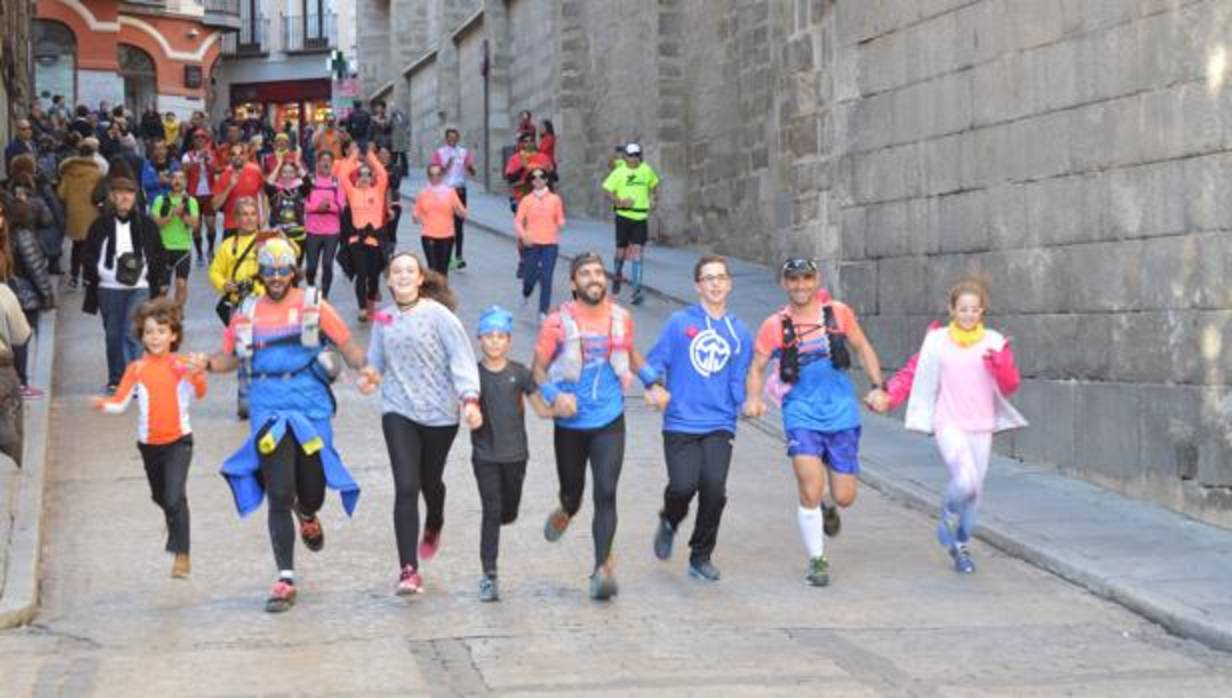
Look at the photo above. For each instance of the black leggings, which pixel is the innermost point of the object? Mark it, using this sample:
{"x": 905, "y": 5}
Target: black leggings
{"x": 292, "y": 478}
{"x": 697, "y": 463}
{"x": 166, "y": 469}
{"x": 605, "y": 449}
{"x": 367, "y": 260}
{"x": 459, "y": 222}
{"x": 437, "y": 252}
{"x": 76, "y": 259}
{"x": 320, "y": 250}
{"x": 417, "y": 456}
{"x": 500, "y": 492}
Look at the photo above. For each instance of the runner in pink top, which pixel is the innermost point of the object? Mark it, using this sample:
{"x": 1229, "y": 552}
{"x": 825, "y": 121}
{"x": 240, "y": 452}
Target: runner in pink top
{"x": 538, "y": 221}
{"x": 435, "y": 208}
{"x": 458, "y": 162}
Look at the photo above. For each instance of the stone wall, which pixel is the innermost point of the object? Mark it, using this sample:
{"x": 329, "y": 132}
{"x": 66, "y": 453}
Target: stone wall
{"x": 426, "y": 125}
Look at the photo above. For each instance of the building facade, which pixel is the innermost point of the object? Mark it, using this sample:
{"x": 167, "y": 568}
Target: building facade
{"x": 138, "y": 53}
{"x": 1074, "y": 153}
{"x": 16, "y": 65}
{"x": 280, "y": 59}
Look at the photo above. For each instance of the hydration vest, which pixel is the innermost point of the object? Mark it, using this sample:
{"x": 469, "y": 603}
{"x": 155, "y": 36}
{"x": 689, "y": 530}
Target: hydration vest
{"x": 309, "y": 323}
{"x": 567, "y": 365}
{"x": 836, "y": 339}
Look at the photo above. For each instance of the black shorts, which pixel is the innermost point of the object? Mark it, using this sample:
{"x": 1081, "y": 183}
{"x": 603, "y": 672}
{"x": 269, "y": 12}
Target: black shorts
{"x": 179, "y": 262}
{"x": 630, "y": 232}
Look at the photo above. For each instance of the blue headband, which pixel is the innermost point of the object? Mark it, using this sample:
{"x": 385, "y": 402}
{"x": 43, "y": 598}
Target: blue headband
{"x": 495, "y": 319}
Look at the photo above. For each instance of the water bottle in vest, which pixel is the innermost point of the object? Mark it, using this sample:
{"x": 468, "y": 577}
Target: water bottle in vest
{"x": 310, "y": 324}
{"x": 243, "y": 336}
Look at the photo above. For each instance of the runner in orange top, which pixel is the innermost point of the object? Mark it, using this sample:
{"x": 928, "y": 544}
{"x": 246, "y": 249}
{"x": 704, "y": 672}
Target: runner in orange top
{"x": 163, "y": 385}
{"x": 435, "y": 208}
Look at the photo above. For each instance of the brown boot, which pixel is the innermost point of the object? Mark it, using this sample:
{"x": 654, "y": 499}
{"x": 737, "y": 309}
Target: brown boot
{"x": 182, "y": 566}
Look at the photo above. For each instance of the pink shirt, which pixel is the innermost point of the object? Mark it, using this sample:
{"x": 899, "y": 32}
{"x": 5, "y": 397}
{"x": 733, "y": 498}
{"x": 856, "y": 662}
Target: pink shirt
{"x": 966, "y": 399}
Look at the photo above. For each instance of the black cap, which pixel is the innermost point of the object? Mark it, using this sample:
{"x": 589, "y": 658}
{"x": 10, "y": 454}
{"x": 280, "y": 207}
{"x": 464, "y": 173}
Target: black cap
{"x": 799, "y": 266}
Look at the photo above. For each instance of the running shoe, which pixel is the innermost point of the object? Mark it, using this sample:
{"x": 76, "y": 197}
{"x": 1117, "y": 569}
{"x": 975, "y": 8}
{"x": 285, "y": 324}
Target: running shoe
{"x": 30, "y": 392}
{"x": 603, "y": 585}
{"x": 311, "y": 532}
{"x": 703, "y": 570}
{"x": 241, "y": 408}
{"x": 962, "y": 559}
{"x": 429, "y": 545}
{"x": 110, "y": 388}
{"x": 200, "y": 261}
{"x": 616, "y": 284}
{"x": 282, "y": 596}
{"x": 459, "y": 263}
{"x": 72, "y": 283}
{"x": 947, "y": 530}
{"x": 663, "y": 539}
{"x": 181, "y": 566}
{"x": 637, "y": 297}
{"x": 831, "y": 522}
{"x": 489, "y": 589}
{"x": 555, "y": 525}
{"x": 409, "y": 582}
{"x": 818, "y": 574}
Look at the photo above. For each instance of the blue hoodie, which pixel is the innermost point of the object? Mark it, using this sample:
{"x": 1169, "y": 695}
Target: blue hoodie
{"x": 705, "y": 361}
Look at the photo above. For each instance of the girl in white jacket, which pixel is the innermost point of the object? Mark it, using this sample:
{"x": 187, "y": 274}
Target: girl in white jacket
{"x": 956, "y": 388}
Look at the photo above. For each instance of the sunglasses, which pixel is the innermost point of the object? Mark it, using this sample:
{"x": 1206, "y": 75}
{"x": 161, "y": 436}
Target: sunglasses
{"x": 799, "y": 266}
{"x": 540, "y": 177}
{"x": 270, "y": 270}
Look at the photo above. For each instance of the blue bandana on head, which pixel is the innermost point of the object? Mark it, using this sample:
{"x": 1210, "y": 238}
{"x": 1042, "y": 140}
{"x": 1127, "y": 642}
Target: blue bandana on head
{"x": 495, "y": 319}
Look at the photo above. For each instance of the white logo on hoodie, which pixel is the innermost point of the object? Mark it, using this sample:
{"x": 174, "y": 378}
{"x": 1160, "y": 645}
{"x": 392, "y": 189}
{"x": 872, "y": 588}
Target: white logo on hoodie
{"x": 709, "y": 352}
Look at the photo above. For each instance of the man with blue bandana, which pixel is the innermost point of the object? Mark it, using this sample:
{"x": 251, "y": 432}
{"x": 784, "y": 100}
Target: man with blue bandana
{"x": 289, "y": 455}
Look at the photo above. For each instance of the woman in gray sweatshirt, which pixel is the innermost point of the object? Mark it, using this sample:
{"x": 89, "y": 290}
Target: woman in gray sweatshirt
{"x": 430, "y": 380}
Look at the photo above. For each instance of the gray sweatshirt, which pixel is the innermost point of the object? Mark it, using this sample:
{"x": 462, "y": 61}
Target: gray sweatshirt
{"x": 426, "y": 362}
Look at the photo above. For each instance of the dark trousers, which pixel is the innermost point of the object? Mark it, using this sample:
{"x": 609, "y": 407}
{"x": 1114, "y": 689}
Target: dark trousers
{"x": 436, "y": 253}
{"x": 417, "y": 456}
{"x": 458, "y": 221}
{"x": 117, "y": 308}
{"x": 697, "y": 463}
{"x": 367, "y": 260}
{"x": 538, "y": 265}
{"x": 76, "y": 259}
{"x": 500, "y": 492}
{"x": 21, "y": 352}
{"x": 319, "y": 250}
{"x": 166, "y": 469}
{"x": 604, "y": 449}
{"x": 292, "y": 479}
{"x": 391, "y": 229}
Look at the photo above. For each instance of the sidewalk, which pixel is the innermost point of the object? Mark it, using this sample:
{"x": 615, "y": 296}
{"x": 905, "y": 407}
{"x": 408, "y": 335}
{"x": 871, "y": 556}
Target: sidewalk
{"x": 1167, "y": 567}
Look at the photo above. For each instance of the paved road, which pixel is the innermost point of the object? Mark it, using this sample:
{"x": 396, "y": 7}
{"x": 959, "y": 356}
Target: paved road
{"x": 895, "y": 622}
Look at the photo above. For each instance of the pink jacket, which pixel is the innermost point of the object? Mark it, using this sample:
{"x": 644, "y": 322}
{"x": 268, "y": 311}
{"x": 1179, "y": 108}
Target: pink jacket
{"x": 328, "y": 191}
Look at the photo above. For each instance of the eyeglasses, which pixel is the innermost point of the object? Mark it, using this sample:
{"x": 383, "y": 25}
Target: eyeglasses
{"x": 799, "y": 266}
{"x": 268, "y": 270}
{"x": 714, "y": 279}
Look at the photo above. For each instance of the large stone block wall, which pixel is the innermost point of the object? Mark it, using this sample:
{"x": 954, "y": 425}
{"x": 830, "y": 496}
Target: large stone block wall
{"x": 470, "y": 84}
{"x": 426, "y": 125}
{"x": 533, "y": 63}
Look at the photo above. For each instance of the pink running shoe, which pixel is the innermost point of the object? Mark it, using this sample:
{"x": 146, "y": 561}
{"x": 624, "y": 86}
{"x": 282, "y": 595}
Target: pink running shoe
{"x": 409, "y": 582}
{"x": 282, "y": 597}
{"x": 428, "y": 547}
{"x": 30, "y": 392}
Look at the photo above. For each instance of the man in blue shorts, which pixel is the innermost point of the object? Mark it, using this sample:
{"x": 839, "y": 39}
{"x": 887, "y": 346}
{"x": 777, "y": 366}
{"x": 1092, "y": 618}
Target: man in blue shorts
{"x": 810, "y": 338}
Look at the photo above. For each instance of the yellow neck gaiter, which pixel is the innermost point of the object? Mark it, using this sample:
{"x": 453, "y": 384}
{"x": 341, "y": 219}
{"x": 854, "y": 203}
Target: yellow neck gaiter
{"x": 965, "y": 338}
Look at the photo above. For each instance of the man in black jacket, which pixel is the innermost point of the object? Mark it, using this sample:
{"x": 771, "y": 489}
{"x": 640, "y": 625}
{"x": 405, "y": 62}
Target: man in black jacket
{"x": 123, "y": 268}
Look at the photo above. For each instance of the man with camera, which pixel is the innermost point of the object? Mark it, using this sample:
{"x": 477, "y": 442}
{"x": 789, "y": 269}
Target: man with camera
{"x": 810, "y": 338}
{"x": 123, "y": 267}
{"x": 178, "y": 216}
{"x": 234, "y": 274}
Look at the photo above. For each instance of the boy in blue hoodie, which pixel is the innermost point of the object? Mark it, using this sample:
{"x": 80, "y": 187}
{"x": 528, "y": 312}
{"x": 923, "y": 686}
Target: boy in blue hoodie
{"x": 705, "y": 353}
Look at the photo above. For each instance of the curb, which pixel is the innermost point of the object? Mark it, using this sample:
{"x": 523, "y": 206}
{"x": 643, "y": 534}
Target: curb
{"x": 21, "y": 579}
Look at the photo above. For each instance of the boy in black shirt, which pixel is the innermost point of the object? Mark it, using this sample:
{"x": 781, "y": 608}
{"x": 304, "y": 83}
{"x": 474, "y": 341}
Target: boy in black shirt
{"x": 499, "y": 447}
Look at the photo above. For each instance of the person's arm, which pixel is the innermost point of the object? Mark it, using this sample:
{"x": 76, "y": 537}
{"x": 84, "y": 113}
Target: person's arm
{"x": 563, "y": 404}
{"x": 1004, "y": 368}
{"x": 191, "y": 214}
{"x": 123, "y": 395}
{"x": 376, "y": 348}
{"x": 469, "y": 163}
{"x": 220, "y": 268}
{"x": 660, "y": 355}
{"x": 458, "y": 209}
{"x": 196, "y": 378}
{"x": 868, "y": 358}
{"x": 463, "y": 369}
{"x": 740, "y": 364}
{"x": 754, "y": 406}
{"x": 156, "y": 208}
{"x": 223, "y": 187}
{"x": 898, "y": 387}
{"x": 531, "y": 391}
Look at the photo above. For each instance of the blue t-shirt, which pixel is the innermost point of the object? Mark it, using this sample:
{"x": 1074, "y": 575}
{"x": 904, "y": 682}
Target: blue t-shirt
{"x": 598, "y": 390}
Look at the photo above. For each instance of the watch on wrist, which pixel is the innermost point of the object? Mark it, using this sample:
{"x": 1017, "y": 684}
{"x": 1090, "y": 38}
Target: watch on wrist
{"x": 878, "y": 386}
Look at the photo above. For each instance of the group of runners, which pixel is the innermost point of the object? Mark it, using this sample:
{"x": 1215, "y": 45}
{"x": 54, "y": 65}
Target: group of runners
{"x": 704, "y": 371}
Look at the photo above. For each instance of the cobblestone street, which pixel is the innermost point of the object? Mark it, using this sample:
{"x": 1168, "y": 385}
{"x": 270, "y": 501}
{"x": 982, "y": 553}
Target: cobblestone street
{"x": 896, "y": 620}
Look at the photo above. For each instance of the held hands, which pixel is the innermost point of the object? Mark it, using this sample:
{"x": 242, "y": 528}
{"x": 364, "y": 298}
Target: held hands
{"x": 472, "y": 416}
{"x": 754, "y": 407}
{"x": 878, "y": 401}
{"x": 369, "y": 380}
{"x": 98, "y": 402}
{"x": 565, "y": 405}
{"x": 657, "y": 397}
{"x": 197, "y": 362}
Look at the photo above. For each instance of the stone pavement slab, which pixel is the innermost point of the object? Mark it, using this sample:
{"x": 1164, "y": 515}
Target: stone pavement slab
{"x": 1168, "y": 567}
{"x": 896, "y": 620}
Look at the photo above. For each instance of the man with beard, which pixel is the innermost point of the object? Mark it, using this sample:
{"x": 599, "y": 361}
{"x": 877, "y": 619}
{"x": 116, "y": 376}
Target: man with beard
{"x": 242, "y": 179}
{"x": 583, "y": 358}
{"x": 289, "y": 455}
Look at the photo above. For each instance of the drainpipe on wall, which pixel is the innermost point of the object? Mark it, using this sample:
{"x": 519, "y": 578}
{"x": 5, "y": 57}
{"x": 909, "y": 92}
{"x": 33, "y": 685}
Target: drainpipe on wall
{"x": 487, "y": 136}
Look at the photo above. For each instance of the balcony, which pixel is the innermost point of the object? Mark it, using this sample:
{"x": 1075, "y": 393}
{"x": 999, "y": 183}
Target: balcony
{"x": 222, "y": 14}
{"x": 251, "y": 39}
{"x": 313, "y": 33}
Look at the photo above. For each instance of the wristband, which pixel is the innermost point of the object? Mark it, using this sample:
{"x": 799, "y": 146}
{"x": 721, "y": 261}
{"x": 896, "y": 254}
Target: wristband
{"x": 877, "y": 386}
{"x": 648, "y": 375}
{"x": 549, "y": 391}
{"x": 470, "y": 400}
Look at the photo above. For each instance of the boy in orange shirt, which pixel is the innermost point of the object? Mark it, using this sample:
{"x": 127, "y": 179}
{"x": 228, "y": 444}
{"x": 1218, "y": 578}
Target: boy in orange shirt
{"x": 163, "y": 385}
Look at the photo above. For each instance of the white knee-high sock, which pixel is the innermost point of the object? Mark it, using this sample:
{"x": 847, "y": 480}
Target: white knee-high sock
{"x": 810, "y": 530}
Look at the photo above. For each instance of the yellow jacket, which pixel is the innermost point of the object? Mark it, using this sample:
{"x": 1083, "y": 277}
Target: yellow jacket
{"x": 227, "y": 255}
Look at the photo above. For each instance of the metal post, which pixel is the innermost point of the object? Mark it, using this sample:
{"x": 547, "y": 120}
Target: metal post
{"x": 487, "y": 135}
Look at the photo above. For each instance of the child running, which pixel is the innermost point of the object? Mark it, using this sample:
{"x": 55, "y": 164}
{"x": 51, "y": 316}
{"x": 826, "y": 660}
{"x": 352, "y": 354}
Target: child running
{"x": 956, "y": 389}
{"x": 499, "y": 448}
{"x": 163, "y": 384}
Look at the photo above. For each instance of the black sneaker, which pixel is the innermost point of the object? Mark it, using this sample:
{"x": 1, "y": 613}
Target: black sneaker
{"x": 241, "y": 408}
{"x": 663, "y": 539}
{"x": 703, "y": 570}
{"x": 72, "y": 283}
{"x": 459, "y": 263}
{"x": 489, "y": 589}
{"x": 831, "y": 523}
{"x": 603, "y": 585}
{"x": 637, "y": 297}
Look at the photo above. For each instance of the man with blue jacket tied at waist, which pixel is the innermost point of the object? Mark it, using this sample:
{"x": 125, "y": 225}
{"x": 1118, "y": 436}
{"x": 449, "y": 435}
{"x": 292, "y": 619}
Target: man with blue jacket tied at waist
{"x": 584, "y": 358}
{"x": 289, "y": 454}
{"x": 705, "y": 353}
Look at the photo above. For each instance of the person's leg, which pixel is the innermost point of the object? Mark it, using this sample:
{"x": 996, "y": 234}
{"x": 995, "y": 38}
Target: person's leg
{"x": 459, "y": 223}
{"x": 811, "y": 485}
{"x": 572, "y": 448}
{"x": 712, "y": 494}
{"x": 154, "y": 459}
{"x": 132, "y": 301}
{"x": 488, "y": 477}
{"x": 278, "y": 473}
{"x": 328, "y": 252}
{"x": 312, "y": 257}
{"x": 309, "y": 483}
{"x": 531, "y": 257}
{"x": 76, "y": 261}
{"x": 547, "y": 268}
{"x": 21, "y": 360}
{"x": 513, "y": 475}
{"x": 177, "y": 458}
{"x": 436, "y": 444}
{"x": 402, "y": 440}
{"x": 111, "y": 306}
{"x": 979, "y": 445}
{"x": 622, "y": 246}
{"x": 607, "y": 456}
{"x": 360, "y": 258}
{"x": 682, "y": 454}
